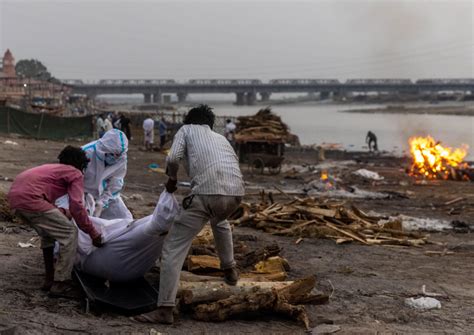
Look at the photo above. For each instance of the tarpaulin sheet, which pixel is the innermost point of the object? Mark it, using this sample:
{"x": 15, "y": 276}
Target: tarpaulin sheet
{"x": 43, "y": 126}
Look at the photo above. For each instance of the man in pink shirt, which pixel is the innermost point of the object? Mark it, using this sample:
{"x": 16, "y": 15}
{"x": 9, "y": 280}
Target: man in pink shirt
{"x": 32, "y": 197}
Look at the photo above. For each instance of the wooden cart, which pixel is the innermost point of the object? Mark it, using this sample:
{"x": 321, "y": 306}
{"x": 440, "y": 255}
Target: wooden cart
{"x": 261, "y": 154}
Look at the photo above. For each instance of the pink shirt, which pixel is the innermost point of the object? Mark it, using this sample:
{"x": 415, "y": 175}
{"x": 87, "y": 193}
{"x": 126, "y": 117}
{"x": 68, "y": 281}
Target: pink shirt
{"x": 36, "y": 190}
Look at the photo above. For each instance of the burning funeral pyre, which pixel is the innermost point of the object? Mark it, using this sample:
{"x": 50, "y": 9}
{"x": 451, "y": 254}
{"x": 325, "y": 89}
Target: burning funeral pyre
{"x": 431, "y": 160}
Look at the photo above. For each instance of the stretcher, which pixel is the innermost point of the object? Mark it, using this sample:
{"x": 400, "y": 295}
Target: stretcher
{"x": 128, "y": 298}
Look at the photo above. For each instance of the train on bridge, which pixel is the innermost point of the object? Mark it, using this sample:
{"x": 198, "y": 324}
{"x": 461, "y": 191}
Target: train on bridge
{"x": 247, "y": 91}
{"x": 224, "y": 82}
{"x": 287, "y": 81}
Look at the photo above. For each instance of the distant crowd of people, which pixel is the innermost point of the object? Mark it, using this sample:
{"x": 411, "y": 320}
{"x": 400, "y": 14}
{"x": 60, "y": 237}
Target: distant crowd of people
{"x": 106, "y": 122}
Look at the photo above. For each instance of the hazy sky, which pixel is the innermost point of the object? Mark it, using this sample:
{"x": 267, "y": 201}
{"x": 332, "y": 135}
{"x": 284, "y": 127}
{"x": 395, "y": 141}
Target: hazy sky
{"x": 242, "y": 39}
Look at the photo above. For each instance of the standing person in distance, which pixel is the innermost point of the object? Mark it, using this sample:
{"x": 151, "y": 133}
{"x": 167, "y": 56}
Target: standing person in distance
{"x": 108, "y": 124}
{"x": 162, "y": 128}
{"x": 99, "y": 124}
{"x": 149, "y": 133}
{"x": 371, "y": 140}
{"x": 230, "y": 132}
{"x": 125, "y": 126}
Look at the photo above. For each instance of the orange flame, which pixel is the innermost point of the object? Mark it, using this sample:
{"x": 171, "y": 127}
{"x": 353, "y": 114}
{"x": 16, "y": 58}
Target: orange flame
{"x": 432, "y": 160}
{"x": 324, "y": 175}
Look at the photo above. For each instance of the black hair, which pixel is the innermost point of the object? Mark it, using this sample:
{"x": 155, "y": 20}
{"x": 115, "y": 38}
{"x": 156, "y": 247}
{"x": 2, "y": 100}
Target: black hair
{"x": 74, "y": 156}
{"x": 201, "y": 114}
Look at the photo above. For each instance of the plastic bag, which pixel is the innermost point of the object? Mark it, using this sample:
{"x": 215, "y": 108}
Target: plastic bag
{"x": 423, "y": 303}
{"x": 165, "y": 211}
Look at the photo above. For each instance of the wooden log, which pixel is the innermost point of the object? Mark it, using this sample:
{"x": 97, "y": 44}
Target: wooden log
{"x": 317, "y": 211}
{"x": 273, "y": 264}
{"x": 243, "y": 219}
{"x": 203, "y": 250}
{"x": 209, "y": 291}
{"x": 244, "y": 277}
{"x": 295, "y": 228}
{"x": 192, "y": 277}
{"x": 350, "y": 234}
{"x": 300, "y": 288}
{"x": 256, "y": 276}
{"x": 205, "y": 236}
{"x": 277, "y": 301}
{"x": 203, "y": 263}
{"x": 253, "y": 257}
{"x": 450, "y": 202}
{"x": 318, "y": 298}
{"x": 250, "y": 303}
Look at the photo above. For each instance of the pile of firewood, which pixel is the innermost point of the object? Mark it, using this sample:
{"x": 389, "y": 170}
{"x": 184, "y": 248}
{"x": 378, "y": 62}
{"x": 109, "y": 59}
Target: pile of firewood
{"x": 310, "y": 217}
{"x": 264, "y": 126}
{"x": 5, "y": 212}
{"x": 262, "y": 286}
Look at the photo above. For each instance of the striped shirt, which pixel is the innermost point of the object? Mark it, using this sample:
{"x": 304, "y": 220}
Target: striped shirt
{"x": 209, "y": 160}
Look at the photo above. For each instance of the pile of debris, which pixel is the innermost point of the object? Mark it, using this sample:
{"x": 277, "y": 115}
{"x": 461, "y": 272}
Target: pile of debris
{"x": 5, "y": 212}
{"x": 262, "y": 288}
{"x": 310, "y": 217}
{"x": 263, "y": 126}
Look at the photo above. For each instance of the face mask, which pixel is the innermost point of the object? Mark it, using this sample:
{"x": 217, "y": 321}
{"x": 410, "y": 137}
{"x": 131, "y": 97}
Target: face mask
{"x": 110, "y": 159}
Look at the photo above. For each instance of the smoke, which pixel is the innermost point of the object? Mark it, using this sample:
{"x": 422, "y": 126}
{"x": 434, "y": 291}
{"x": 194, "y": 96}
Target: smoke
{"x": 413, "y": 39}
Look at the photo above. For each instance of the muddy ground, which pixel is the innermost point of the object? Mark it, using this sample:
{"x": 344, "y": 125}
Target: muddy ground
{"x": 368, "y": 284}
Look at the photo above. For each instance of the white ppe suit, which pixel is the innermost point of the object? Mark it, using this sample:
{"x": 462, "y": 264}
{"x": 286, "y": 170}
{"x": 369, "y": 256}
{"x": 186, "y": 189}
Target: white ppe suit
{"x": 105, "y": 173}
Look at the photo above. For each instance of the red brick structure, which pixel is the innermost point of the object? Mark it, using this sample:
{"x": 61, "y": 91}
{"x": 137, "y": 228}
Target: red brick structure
{"x": 8, "y": 69}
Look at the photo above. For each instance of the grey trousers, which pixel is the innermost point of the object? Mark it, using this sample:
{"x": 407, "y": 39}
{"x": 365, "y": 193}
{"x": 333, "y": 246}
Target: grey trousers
{"x": 54, "y": 226}
{"x": 203, "y": 208}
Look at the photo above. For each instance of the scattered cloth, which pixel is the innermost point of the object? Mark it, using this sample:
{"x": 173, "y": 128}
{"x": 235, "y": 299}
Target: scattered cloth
{"x": 413, "y": 223}
{"x": 10, "y": 142}
{"x": 26, "y": 245}
{"x": 368, "y": 174}
{"x": 423, "y": 303}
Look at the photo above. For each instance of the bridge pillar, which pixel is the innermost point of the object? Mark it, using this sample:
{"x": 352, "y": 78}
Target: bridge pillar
{"x": 339, "y": 95}
{"x": 240, "y": 99}
{"x": 250, "y": 98}
{"x": 157, "y": 98}
{"x": 265, "y": 96}
{"x": 324, "y": 95}
{"x": 147, "y": 98}
{"x": 182, "y": 97}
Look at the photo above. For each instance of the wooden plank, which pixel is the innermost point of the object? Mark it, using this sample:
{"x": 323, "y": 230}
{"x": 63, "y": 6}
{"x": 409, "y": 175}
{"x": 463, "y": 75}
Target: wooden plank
{"x": 203, "y": 263}
{"x": 350, "y": 234}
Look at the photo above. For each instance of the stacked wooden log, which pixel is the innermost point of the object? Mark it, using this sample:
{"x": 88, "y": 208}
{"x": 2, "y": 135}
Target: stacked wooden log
{"x": 262, "y": 286}
{"x": 310, "y": 217}
{"x": 263, "y": 126}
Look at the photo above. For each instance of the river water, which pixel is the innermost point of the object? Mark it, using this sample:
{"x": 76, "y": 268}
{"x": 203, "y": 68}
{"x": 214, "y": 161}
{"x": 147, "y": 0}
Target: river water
{"x": 317, "y": 123}
{"x": 327, "y": 123}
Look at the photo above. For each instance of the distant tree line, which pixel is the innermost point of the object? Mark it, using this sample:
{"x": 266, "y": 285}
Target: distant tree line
{"x": 34, "y": 69}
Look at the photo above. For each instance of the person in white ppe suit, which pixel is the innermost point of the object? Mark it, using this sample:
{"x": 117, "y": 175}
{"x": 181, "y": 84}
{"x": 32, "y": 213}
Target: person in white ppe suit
{"x": 104, "y": 176}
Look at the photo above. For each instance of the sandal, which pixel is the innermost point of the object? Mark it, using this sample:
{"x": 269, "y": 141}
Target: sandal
{"x": 64, "y": 289}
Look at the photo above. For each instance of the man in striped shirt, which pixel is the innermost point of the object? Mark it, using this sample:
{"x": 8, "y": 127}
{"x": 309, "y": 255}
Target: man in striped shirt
{"x": 217, "y": 189}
